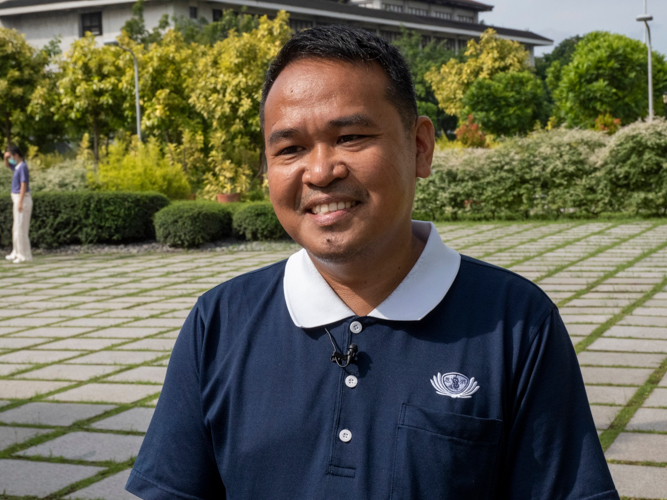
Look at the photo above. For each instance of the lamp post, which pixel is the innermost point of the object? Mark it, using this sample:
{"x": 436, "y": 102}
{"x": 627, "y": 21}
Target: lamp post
{"x": 114, "y": 43}
{"x": 645, "y": 19}
{"x": 664, "y": 99}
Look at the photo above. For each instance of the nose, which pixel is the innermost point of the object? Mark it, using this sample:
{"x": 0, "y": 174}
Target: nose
{"x": 324, "y": 166}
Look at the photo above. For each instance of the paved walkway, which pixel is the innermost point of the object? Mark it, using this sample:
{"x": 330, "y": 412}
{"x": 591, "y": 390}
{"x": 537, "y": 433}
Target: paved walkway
{"x": 84, "y": 344}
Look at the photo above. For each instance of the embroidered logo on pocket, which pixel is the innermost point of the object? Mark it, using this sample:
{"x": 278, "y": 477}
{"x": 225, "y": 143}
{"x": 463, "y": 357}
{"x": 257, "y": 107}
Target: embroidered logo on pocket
{"x": 454, "y": 385}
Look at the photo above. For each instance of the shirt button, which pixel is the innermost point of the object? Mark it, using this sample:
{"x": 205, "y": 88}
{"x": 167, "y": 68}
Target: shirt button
{"x": 351, "y": 381}
{"x": 345, "y": 436}
{"x": 355, "y": 327}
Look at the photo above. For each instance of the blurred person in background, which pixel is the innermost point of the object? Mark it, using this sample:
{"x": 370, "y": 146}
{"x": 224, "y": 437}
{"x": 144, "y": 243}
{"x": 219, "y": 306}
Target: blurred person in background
{"x": 22, "y": 202}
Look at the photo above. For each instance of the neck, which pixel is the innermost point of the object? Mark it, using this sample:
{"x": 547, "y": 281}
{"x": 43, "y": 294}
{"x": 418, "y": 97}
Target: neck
{"x": 365, "y": 281}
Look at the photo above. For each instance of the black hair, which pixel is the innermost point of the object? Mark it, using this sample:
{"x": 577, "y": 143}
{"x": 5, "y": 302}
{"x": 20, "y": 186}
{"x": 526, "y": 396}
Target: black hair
{"x": 351, "y": 45}
{"x": 15, "y": 150}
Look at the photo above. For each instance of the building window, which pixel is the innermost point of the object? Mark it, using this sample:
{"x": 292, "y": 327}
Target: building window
{"x": 465, "y": 19}
{"x": 395, "y": 8}
{"x": 217, "y": 15}
{"x": 417, "y": 12}
{"x": 193, "y": 12}
{"x": 91, "y": 22}
{"x": 299, "y": 25}
{"x": 390, "y": 36}
{"x": 443, "y": 15}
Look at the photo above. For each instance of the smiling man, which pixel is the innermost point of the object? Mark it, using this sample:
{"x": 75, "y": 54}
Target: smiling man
{"x": 451, "y": 378}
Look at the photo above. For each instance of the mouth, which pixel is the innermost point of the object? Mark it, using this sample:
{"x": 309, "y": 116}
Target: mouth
{"x": 326, "y": 208}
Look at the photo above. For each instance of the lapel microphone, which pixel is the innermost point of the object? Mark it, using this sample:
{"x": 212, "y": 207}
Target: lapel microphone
{"x": 342, "y": 360}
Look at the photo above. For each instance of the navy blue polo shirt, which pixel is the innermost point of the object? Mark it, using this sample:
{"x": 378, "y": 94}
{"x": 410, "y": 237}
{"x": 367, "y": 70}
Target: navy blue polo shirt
{"x": 466, "y": 386}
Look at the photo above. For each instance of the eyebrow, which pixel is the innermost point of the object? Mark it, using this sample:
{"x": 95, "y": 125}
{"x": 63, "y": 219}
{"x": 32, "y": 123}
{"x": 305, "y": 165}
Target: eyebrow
{"x": 357, "y": 119}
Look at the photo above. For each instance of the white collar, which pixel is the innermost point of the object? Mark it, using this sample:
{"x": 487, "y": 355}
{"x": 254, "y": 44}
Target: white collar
{"x": 312, "y": 302}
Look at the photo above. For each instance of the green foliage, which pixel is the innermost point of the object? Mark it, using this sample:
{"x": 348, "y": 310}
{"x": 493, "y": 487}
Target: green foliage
{"x": 135, "y": 27}
{"x": 421, "y": 59}
{"x": 634, "y": 167}
{"x": 562, "y": 53}
{"x": 21, "y": 69}
{"x": 192, "y": 223}
{"x": 258, "y": 222}
{"x": 506, "y": 103}
{"x": 140, "y": 167}
{"x": 607, "y": 74}
{"x": 483, "y": 59}
{"x": 226, "y": 86}
{"x": 546, "y": 174}
{"x": 85, "y": 94}
{"x": 204, "y": 33}
{"x": 470, "y": 135}
{"x": 62, "y": 177}
{"x": 86, "y": 217}
{"x": 608, "y": 124}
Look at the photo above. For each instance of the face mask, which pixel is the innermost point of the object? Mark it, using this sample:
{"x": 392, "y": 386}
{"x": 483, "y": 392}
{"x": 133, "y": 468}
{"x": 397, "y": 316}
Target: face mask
{"x": 12, "y": 162}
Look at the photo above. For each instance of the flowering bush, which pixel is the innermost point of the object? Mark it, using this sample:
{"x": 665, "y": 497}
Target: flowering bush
{"x": 470, "y": 135}
{"x": 545, "y": 174}
{"x": 608, "y": 124}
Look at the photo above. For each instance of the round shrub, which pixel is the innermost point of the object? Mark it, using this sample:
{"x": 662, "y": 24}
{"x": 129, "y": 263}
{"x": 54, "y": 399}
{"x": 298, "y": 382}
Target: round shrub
{"x": 634, "y": 168}
{"x": 192, "y": 223}
{"x": 258, "y": 223}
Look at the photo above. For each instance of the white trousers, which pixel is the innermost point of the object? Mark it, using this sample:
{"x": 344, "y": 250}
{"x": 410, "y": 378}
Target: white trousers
{"x": 20, "y": 241}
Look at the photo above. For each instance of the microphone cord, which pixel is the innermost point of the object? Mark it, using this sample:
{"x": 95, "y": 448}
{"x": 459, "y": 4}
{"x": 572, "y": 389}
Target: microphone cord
{"x": 342, "y": 360}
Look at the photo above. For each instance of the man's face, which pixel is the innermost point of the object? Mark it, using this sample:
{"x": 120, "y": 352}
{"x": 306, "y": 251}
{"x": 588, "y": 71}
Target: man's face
{"x": 341, "y": 165}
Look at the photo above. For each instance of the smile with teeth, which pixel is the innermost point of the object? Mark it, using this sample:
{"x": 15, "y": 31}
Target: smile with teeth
{"x": 332, "y": 207}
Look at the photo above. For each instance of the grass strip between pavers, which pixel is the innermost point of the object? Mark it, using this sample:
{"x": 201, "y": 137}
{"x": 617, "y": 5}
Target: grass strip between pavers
{"x": 636, "y": 401}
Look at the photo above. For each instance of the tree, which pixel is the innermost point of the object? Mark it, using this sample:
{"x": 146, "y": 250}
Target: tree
{"x": 202, "y": 32}
{"x": 562, "y": 54}
{"x": 165, "y": 68}
{"x": 506, "y": 103}
{"x": 135, "y": 27}
{"x": 422, "y": 58}
{"x": 483, "y": 59}
{"x": 89, "y": 97}
{"x": 225, "y": 87}
{"x": 608, "y": 74}
{"x": 21, "y": 70}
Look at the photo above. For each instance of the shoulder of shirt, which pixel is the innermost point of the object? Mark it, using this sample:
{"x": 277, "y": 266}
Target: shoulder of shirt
{"x": 237, "y": 287}
{"x": 501, "y": 275}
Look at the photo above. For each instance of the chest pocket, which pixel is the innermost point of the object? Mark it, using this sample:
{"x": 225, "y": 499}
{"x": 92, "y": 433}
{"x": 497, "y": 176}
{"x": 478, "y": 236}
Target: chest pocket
{"x": 444, "y": 456}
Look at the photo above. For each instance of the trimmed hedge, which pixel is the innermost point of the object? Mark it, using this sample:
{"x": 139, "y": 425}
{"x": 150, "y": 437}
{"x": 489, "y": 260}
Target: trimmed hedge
{"x": 258, "y": 222}
{"x": 66, "y": 218}
{"x": 192, "y": 223}
{"x": 576, "y": 173}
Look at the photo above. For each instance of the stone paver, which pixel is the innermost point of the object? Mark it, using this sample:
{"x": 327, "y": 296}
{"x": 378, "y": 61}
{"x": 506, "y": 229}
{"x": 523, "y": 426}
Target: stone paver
{"x": 100, "y": 328}
{"x": 69, "y": 372}
{"x": 648, "y": 419}
{"x": 25, "y": 389}
{"x": 110, "y": 488}
{"x": 41, "y": 478}
{"x": 107, "y": 393}
{"x": 639, "y": 482}
{"x": 63, "y": 414}
{"x": 89, "y": 446}
{"x": 604, "y": 415}
{"x": 639, "y": 447}
{"x": 136, "y": 419}
{"x": 10, "y": 436}
{"x": 153, "y": 374}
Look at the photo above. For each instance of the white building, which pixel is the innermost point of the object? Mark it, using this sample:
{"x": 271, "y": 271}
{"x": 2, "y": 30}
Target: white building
{"x": 455, "y": 21}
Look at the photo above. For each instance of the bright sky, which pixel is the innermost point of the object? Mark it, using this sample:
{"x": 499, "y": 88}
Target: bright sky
{"x": 560, "y": 19}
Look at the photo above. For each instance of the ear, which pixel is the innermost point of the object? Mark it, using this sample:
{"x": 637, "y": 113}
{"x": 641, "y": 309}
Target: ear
{"x": 425, "y": 144}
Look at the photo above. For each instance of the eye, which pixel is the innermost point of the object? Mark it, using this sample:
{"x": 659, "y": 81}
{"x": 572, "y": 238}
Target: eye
{"x": 349, "y": 138}
{"x": 290, "y": 150}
